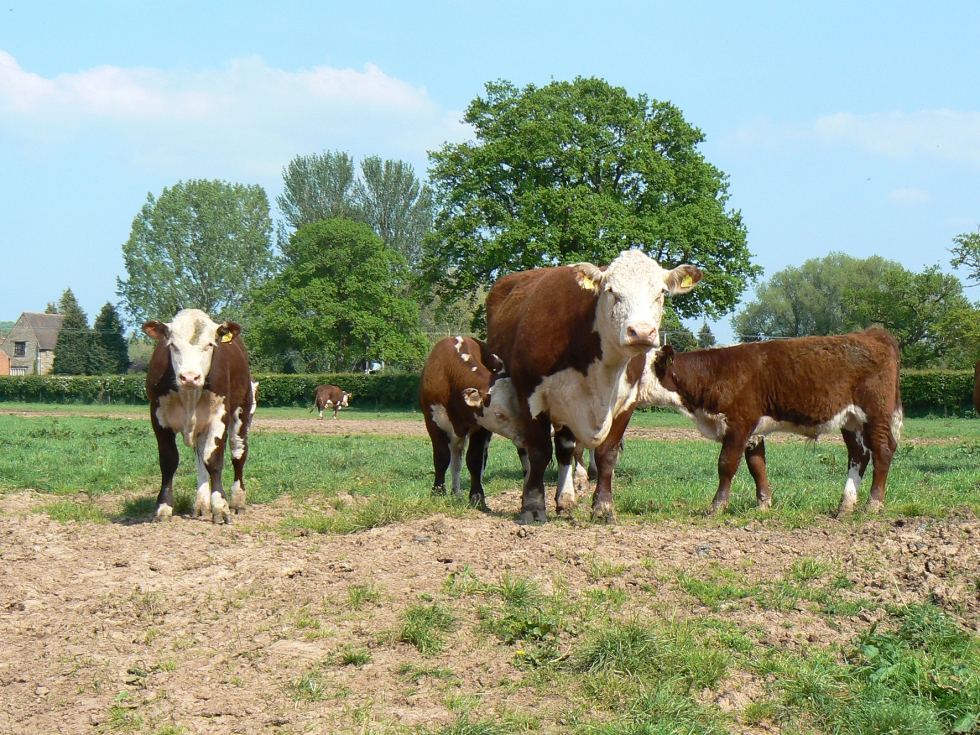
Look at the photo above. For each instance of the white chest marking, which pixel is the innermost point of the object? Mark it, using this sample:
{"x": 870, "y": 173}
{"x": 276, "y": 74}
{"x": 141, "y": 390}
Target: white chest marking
{"x": 586, "y": 404}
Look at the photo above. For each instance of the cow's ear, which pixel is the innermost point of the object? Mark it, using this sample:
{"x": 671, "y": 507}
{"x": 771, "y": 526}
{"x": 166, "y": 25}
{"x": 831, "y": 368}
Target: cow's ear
{"x": 588, "y": 276}
{"x": 472, "y": 397}
{"x": 665, "y": 356}
{"x": 683, "y": 279}
{"x": 156, "y": 330}
{"x": 228, "y": 331}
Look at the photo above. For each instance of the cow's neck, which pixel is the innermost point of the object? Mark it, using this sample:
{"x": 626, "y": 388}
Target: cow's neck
{"x": 190, "y": 397}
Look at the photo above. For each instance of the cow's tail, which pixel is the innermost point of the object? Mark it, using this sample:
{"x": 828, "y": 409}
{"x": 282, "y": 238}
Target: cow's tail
{"x": 898, "y": 415}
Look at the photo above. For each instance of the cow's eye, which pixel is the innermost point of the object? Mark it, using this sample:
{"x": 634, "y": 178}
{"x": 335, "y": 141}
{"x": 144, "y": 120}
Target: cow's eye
{"x": 208, "y": 347}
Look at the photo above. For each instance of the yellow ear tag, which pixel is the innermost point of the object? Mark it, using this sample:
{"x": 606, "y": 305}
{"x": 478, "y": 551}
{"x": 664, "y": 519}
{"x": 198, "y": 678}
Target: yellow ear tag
{"x": 227, "y": 337}
{"x": 688, "y": 281}
{"x": 588, "y": 284}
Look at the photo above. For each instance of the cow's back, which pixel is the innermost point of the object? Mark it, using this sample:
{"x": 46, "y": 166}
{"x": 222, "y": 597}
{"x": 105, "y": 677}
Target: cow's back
{"x": 540, "y": 322}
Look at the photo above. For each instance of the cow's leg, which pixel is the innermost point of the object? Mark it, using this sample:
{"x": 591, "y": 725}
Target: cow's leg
{"x": 538, "y": 438}
{"x": 593, "y": 471}
{"x": 319, "y": 408}
{"x": 883, "y": 446}
{"x": 202, "y": 501}
{"x": 565, "y": 454}
{"x": 336, "y": 408}
{"x": 441, "y": 457}
{"x": 858, "y": 457}
{"x": 582, "y": 477}
{"x": 732, "y": 447}
{"x": 755, "y": 460}
{"x": 238, "y": 439}
{"x": 525, "y": 462}
{"x": 456, "y": 444}
{"x": 476, "y": 462}
{"x": 215, "y": 461}
{"x": 606, "y": 456}
{"x": 169, "y": 459}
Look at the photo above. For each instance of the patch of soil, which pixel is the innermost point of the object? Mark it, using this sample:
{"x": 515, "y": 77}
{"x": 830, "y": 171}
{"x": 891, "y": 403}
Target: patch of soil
{"x": 214, "y": 628}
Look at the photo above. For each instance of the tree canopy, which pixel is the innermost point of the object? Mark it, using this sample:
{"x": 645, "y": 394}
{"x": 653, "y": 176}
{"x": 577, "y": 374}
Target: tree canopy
{"x": 388, "y": 196}
{"x": 337, "y": 304}
{"x": 926, "y": 312}
{"x": 706, "y": 337}
{"x": 575, "y": 171}
{"x": 202, "y": 244}
{"x": 110, "y": 354}
{"x": 74, "y": 345}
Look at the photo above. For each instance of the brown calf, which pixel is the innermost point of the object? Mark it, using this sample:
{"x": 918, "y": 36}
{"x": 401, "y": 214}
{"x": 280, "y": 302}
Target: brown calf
{"x": 810, "y": 386}
{"x": 330, "y": 396}
{"x": 199, "y": 384}
{"x": 462, "y": 398}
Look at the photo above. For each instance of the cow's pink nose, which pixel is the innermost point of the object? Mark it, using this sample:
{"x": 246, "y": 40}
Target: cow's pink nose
{"x": 642, "y": 333}
{"x": 190, "y": 380}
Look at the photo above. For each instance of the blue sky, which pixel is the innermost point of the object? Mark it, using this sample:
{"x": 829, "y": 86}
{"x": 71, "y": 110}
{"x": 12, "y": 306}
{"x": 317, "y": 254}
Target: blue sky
{"x": 842, "y": 126}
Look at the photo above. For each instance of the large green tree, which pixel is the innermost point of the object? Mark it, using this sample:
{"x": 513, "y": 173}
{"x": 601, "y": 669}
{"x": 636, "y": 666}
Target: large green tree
{"x": 809, "y": 299}
{"x": 74, "y": 346}
{"x": 336, "y": 304}
{"x": 396, "y": 204}
{"x": 316, "y": 187}
{"x": 110, "y": 354}
{"x": 575, "y": 171}
{"x": 925, "y": 312}
{"x": 201, "y": 244}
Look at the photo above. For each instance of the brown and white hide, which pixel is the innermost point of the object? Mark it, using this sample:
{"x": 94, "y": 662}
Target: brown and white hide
{"x": 462, "y": 399}
{"x": 330, "y": 396}
{"x": 200, "y": 387}
{"x": 574, "y": 339}
{"x": 809, "y": 386}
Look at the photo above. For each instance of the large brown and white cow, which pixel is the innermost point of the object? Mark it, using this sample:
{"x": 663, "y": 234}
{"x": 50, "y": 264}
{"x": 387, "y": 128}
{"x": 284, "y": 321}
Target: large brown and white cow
{"x": 200, "y": 386}
{"x": 462, "y": 399}
{"x": 574, "y": 339}
{"x": 810, "y": 386}
{"x": 330, "y": 396}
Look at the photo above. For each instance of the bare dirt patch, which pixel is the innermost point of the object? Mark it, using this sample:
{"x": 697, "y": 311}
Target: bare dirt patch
{"x": 213, "y": 628}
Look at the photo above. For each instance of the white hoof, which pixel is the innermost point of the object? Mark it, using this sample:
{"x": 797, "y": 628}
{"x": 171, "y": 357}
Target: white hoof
{"x": 220, "y": 512}
{"x": 164, "y": 512}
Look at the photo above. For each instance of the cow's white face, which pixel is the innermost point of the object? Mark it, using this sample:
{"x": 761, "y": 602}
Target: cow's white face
{"x": 631, "y": 298}
{"x": 501, "y": 410}
{"x": 192, "y": 337}
{"x": 344, "y": 401}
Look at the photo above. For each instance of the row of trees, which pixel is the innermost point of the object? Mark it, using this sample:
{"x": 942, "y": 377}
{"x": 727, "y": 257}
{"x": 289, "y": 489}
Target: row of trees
{"x": 370, "y": 257}
{"x": 935, "y": 324}
{"x": 83, "y": 350}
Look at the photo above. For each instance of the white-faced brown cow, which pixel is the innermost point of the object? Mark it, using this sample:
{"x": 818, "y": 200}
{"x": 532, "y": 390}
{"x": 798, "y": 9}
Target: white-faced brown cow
{"x": 330, "y": 396}
{"x": 199, "y": 385}
{"x": 462, "y": 399}
{"x": 567, "y": 336}
{"x": 810, "y": 386}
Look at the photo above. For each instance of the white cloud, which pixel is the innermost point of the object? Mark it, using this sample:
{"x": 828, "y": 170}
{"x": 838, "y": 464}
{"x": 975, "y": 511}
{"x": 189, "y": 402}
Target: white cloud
{"x": 945, "y": 134}
{"x": 909, "y": 196}
{"x": 246, "y": 116}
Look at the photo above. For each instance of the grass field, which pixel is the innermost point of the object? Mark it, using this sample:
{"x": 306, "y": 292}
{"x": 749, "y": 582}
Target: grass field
{"x": 611, "y": 658}
{"x": 654, "y": 479}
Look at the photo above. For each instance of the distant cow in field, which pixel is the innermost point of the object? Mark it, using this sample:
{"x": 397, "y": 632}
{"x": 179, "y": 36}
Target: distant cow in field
{"x": 330, "y": 396}
{"x": 574, "y": 340}
{"x": 462, "y": 398}
{"x": 199, "y": 384}
{"x": 810, "y": 386}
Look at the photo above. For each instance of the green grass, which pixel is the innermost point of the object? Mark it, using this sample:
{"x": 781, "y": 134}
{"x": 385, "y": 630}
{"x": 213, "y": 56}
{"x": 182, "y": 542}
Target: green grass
{"x": 425, "y": 626}
{"x": 389, "y": 478}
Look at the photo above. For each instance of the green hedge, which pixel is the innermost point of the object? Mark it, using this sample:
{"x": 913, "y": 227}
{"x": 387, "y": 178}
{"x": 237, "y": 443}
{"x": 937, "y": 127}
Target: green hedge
{"x": 390, "y": 389}
{"x": 922, "y": 390}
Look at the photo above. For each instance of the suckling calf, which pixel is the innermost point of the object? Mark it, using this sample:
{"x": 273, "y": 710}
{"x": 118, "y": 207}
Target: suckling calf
{"x": 809, "y": 386}
{"x": 462, "y": 399}
{"x": 200, "y": 386}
